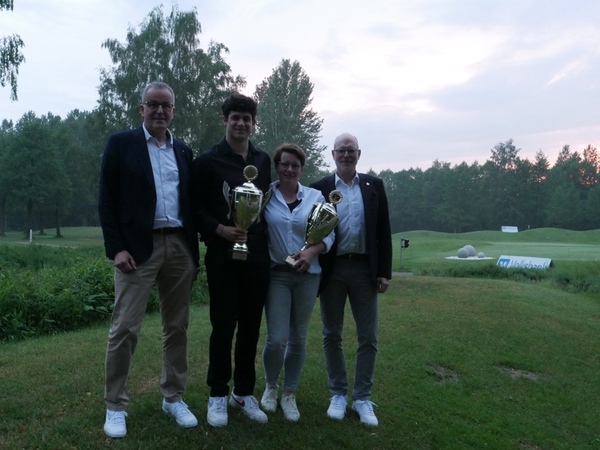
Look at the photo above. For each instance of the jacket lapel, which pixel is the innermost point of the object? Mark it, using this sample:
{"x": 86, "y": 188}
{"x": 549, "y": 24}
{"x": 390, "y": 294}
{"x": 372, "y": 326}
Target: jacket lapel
{"x": 369, "y": 196}
{"x": 141, "y": 148}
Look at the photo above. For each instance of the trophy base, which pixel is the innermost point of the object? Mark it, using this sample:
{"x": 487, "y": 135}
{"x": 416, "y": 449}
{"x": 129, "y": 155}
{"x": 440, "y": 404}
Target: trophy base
{"x": 291, "y": 261}
{"x": 239, "y": 256}
{"x": 239, "y": 252}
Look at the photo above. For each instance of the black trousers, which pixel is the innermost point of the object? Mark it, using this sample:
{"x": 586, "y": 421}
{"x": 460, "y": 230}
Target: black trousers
{"x": 238, "y": 290}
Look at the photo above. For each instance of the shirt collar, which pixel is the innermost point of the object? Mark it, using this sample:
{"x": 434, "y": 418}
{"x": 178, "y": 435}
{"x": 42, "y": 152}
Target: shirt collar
{"x": 301, "y": 188}
{"x": 148, "y": 136}
{"x": 355, "y": 180}
{"x": 226, "y": 148}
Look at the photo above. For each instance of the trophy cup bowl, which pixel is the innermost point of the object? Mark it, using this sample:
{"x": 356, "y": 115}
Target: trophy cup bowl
{"x": 246, "y": 205}
{"x": 321, "y": 221}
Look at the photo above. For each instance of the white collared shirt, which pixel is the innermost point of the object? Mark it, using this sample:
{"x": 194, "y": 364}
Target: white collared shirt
{"x": 287, "y": 229}
{"x": 166, "y": 182}
{"x": 351, "y": 231}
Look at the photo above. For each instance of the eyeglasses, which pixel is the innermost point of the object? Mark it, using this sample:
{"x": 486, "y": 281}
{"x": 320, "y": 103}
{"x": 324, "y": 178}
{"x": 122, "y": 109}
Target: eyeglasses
{"x": 349, "y": 151}
{"x": 153, "y": 106}
{"x": 287, "y": 165}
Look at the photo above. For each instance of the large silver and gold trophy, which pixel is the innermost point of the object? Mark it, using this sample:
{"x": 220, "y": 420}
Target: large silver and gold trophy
{"x": 245, "y": 205}
{"x": 322, "y": 220}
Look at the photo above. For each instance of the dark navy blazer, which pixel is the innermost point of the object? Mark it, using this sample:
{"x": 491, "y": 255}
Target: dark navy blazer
{"x": 377, "y": 222}
{"x": 127, "y": 197}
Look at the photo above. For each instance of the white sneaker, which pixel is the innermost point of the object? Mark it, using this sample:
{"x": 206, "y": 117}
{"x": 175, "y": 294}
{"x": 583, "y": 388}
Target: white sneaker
{"x": 249, "y": 405}
{"x": 364, "y": 408}
{"x": 337, "y": 407}
{"x": 182, "y": 414}
{"x": 115, "y": 426}
{"x": 289, "y": 408}
{"x": 269, "y": 399}
{"x": 216, "y": 414}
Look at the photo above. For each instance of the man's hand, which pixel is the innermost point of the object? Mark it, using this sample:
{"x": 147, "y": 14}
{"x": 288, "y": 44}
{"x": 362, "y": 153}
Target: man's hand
{"x": 382, "y": 285}
{"x": 233, "y": 234}
{"x": 125, "y": 262}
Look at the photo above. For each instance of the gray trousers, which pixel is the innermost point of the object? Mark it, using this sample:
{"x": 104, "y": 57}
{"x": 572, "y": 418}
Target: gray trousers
{"x": 173, "y": 269}
{"x": 288, "y": 309}
{"x": 352, "y": 280}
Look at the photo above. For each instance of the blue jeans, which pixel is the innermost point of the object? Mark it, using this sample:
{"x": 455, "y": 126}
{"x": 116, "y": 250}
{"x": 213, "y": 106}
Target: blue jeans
{"x": 289, "y": 305}
{"x": 350, "y": 279}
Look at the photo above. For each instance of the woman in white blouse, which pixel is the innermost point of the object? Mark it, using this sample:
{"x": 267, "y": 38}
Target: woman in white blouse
{"x": 293, "y": 288}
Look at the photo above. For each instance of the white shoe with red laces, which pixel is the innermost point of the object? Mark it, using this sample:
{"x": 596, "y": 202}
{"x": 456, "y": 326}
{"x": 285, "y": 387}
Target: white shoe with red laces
{"x": 249, "y": 406}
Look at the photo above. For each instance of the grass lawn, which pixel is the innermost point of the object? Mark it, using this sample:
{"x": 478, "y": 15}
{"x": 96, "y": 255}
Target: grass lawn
{"x": 71, "y": 237}
{"x": 463, "y": 364}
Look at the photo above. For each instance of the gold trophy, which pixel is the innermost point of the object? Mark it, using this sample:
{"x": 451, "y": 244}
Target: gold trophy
{"x": 322, "y": 220}
{"x": 245, "y": 205}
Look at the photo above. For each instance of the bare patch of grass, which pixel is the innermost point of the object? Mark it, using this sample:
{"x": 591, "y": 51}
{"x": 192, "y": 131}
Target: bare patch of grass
{"x": 513, "y": 372}
{"x": 442, "y": 374}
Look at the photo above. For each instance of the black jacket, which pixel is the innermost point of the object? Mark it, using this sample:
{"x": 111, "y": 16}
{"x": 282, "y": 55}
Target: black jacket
{"x": 377, "y": 222}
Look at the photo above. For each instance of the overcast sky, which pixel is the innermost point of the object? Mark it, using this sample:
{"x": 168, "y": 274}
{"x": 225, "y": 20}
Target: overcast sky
{"x": 415, "y": 81}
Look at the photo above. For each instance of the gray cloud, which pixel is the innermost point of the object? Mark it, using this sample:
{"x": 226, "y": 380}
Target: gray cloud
{"x": 415, "y": 81}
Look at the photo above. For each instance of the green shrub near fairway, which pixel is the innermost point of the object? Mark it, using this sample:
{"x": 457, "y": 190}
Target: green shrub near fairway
{"x": 47, "y": 290}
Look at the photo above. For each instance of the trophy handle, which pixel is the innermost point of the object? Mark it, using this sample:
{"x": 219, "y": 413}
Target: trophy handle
{"x": 266, "y": 199}
{"x": 226, "y": 194}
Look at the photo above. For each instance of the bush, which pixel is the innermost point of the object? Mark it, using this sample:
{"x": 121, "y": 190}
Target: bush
{"x": 575, "y": 277}
{"x": 45, "y": 290}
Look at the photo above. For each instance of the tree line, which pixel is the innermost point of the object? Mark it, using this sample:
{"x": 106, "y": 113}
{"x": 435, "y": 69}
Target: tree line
{"x": 49, "y": 165}
{"x": 505, "y": 190}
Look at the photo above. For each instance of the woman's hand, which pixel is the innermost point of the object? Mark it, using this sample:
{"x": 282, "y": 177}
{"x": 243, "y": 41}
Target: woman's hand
{"x": 305, "y": 257}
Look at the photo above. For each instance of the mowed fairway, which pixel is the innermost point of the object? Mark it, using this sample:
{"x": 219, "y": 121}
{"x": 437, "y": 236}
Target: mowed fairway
{"x": 428, "y": 248}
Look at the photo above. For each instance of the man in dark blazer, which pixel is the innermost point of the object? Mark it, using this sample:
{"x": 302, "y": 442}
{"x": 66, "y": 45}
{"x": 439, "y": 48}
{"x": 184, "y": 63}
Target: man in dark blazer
{"x": 145, "y": 214}
{"x": 358, "y": 267}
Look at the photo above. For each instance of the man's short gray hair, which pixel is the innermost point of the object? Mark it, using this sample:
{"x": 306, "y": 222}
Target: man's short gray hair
{"x": 158, "y": 85}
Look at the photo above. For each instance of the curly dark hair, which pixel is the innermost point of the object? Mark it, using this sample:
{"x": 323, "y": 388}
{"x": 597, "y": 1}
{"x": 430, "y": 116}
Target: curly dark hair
{"x": 241, "y": 103}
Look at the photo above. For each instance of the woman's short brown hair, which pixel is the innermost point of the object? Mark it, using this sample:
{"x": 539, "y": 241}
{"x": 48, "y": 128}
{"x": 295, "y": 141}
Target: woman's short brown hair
{"x": 289, "y": 148}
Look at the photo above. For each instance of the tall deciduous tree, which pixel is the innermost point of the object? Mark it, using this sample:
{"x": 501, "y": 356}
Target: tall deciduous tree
{"x": 10, "y": 56}
{"x": 36, "y": 175}
{"x": 6, "y": 134}
{"x": 284, "y": 115}
{"x": 81, "y": 160}
{"x": 167, "y": 48}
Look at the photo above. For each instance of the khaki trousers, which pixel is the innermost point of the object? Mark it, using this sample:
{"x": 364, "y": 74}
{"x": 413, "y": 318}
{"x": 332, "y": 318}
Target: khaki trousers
{"x": 172, "y": 268}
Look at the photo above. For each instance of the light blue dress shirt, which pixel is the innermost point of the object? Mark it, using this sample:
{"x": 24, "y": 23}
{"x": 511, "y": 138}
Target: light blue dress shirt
{"x": 166, "y": 182}
{"x": 351, "y": 229}
{"x": 287, "y": 229}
